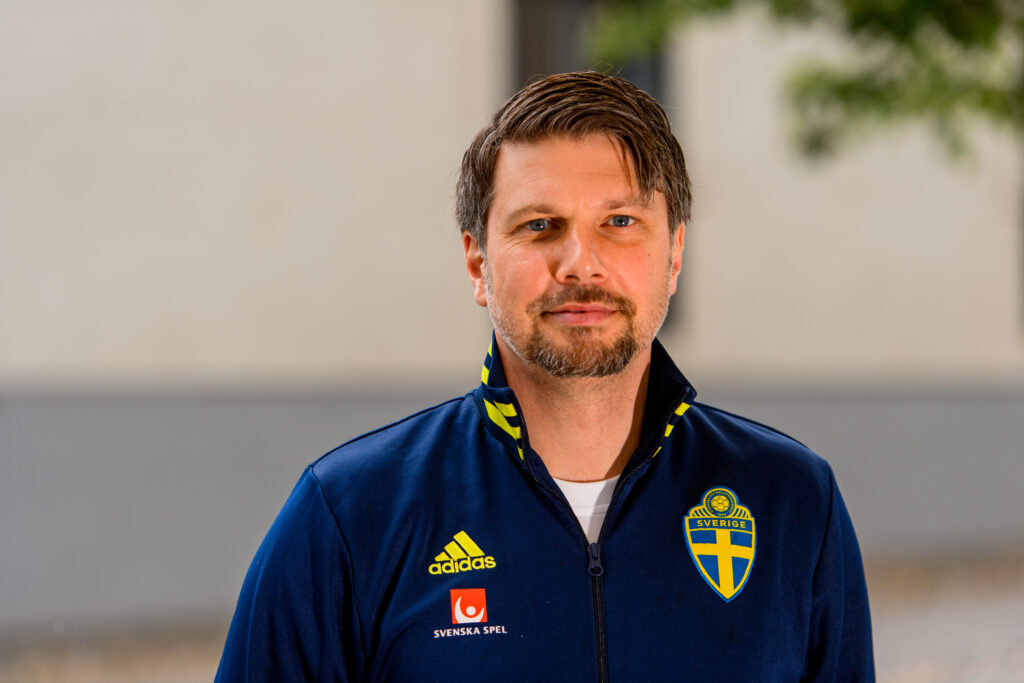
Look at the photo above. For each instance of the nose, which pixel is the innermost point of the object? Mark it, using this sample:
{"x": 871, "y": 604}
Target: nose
{"x": 576, "y": 257}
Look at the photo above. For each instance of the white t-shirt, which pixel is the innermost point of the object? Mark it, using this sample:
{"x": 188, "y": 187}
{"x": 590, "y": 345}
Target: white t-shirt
{"x": 589, "y": 500}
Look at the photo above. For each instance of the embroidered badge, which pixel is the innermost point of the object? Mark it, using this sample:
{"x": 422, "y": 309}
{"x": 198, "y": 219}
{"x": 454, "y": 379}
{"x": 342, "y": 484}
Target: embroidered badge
{"x": 722, "y": 540}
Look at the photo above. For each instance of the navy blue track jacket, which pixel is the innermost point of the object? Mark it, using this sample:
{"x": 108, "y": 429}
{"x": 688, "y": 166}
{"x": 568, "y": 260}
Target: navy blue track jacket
{"x": 438, "y": 548}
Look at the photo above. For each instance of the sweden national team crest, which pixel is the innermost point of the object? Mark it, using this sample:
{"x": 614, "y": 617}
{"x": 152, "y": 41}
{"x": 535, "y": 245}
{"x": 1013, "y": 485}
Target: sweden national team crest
{"x": 722, "y": 540}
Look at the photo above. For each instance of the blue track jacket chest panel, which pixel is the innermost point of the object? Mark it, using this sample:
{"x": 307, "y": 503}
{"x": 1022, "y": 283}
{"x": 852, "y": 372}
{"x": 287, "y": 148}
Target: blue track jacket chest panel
{"x": 449, "y": 516}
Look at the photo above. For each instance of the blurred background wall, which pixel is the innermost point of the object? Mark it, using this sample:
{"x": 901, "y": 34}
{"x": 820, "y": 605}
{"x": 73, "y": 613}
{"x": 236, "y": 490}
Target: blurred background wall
{"x": 227, "y": 245}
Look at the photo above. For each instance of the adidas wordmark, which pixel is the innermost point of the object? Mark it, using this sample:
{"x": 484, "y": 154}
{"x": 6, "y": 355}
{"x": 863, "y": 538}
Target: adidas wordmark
{"x": 461, "y": 555}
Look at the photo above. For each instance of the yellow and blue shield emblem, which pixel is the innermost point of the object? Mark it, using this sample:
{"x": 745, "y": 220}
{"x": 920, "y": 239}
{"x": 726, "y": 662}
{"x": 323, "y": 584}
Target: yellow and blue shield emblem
{"x": 722, "y": 539}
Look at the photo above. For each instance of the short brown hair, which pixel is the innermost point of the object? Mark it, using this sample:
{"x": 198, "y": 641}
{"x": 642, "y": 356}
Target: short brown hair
{"x": 577, "y": 104}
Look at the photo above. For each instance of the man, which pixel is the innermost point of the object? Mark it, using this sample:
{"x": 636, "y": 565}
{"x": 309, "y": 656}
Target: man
{"x": 575, "y": 517}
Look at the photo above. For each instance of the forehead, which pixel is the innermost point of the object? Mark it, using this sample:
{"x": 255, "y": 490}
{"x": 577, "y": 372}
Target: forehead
{"x": 555, "y": 161}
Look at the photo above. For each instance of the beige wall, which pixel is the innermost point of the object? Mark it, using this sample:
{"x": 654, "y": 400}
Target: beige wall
{"x": 887, "y": 263}
{"x": 249, "y": 191}
{"x": 241, "y": 191}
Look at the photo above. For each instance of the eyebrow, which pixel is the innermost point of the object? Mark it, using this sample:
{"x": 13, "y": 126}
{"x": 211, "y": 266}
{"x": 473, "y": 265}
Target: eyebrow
{"x": 610, "y": 205}
{"x": 635, "y": 200}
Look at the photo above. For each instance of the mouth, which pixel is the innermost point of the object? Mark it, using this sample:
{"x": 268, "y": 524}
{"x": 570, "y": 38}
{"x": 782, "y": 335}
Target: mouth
{"x": 575, "y": 314}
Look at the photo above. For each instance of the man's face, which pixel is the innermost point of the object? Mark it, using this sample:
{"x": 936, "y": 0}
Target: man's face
{"x": 578, "y": 270}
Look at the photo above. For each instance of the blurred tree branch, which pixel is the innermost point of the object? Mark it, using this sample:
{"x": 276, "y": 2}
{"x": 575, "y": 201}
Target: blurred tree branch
{"x": 944, "y": 62}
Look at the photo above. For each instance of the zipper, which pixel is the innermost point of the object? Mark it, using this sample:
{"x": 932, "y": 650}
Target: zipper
{"x": 595, "y": 568}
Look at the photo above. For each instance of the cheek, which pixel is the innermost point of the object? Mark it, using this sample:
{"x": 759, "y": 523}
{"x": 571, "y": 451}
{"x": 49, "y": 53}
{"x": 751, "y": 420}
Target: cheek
{"x": 643, "y": 269}
{"x": 524, "y": 271}
{"x": 657, "y": 272}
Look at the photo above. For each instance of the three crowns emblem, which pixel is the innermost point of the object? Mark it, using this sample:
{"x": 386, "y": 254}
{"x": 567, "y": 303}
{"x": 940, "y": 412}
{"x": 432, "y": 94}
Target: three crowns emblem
{"x": 722, "y": 539}
{"x": 461, "y": 554}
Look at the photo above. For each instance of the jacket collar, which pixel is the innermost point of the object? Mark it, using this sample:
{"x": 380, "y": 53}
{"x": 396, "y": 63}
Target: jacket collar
{"x": 669, "y": 395}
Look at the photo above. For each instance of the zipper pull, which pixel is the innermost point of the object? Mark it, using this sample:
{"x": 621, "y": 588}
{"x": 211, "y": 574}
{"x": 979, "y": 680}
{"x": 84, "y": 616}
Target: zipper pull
{"x": 596, "y": 568}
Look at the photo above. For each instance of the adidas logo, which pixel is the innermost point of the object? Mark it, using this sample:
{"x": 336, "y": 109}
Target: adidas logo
{"x": 461, "y": 555}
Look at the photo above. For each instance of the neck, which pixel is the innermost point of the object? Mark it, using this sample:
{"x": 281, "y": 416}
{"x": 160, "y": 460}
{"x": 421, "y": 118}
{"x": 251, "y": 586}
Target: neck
{"x": 583, "y": 428}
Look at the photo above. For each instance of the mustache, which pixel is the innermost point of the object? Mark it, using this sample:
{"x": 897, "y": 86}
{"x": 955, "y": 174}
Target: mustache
{"x": 580, "y": 294}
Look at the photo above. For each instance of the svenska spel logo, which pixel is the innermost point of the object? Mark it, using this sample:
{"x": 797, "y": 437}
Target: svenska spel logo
{"x": 469, "y": 606}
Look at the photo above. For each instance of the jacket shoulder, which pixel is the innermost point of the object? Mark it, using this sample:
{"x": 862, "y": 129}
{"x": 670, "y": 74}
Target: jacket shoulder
{"x": 757, "y": 445}
{"x": 398, "y": 429}
{"x": 396, "y": 450}
{"x": 721, "y": 416}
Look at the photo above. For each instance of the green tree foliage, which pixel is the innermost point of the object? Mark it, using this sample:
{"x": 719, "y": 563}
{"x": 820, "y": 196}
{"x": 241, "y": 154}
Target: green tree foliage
{"x": 944, "y": 62}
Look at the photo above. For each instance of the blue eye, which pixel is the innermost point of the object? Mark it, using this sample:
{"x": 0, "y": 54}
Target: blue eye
{"x": 538, "y": 224}
{"x": 621, "y": 221}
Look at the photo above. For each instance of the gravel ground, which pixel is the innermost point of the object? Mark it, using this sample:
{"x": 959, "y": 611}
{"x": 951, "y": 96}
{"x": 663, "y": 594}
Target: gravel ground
{"x": 956, "y": 624}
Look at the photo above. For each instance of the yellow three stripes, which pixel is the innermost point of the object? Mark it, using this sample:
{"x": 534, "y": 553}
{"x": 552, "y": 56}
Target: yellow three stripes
{"x": 498, "y": 412}
{"x": 461, "y": 548}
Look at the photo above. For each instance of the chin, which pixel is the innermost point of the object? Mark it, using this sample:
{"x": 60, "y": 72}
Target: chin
{"x": 581, "y": 356}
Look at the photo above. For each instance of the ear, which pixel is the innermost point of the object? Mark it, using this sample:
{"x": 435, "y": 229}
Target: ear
{"x": 677, "y": 255}
{"x": 475, "y": 267}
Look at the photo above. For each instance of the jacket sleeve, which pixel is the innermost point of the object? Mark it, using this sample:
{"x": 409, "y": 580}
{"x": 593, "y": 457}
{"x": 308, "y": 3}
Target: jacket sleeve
{"x": 840, "y": 648}
{"x": 296, "y": 618}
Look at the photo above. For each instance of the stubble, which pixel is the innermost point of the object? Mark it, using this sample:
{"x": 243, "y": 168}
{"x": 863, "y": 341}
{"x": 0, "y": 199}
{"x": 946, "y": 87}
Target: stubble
{"x": 578, "y": 353}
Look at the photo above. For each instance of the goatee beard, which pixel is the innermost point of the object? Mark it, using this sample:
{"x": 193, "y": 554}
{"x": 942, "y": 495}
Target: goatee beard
{"x": 583, "y": 357}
